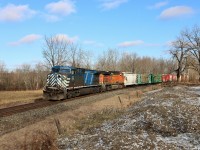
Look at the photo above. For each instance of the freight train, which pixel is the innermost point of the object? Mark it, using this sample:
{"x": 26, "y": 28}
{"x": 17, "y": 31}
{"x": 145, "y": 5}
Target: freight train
{"x": 65, "y": 82}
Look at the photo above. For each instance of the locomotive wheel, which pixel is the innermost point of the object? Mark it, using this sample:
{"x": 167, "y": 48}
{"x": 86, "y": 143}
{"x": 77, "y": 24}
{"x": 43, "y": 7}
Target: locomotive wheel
{"x": 77, "y": 93}
{"x": 74, "y": 94}
{"x": 99, "y": 90}
{"x": 69, "y": 95}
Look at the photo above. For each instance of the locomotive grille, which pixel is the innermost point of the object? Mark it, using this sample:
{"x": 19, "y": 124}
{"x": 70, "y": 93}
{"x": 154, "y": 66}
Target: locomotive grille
{"x": 57, "y": 80}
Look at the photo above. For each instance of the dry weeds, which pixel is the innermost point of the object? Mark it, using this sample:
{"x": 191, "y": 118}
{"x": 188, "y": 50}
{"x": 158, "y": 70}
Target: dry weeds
{"x": 38, "y": 140}
{"x": 97, "y": 119}
{"x": 10, "y": 98}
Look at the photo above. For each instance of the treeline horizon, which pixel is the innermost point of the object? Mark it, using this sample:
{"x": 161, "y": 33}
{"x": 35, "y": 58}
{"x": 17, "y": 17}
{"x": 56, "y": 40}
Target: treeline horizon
{"x": 28, "y": 77}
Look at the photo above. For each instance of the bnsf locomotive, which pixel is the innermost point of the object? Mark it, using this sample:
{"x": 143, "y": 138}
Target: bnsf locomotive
{"x": 66, "y": 82}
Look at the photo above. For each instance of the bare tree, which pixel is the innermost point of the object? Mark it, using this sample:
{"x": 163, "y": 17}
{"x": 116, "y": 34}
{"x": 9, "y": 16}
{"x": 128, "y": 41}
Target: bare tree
{"x": 128, "y": 62}
{"x": 2, "y": 66}
{"x": 169, "y": 66}
{"x": 179, "y": 52}
{"x": 108, "y": 61}
{"x": 78, "y": 57}
{"x": 58, "y": 51}
{"x": 193, "y": 43}
{"x": 25, "y": 74}
{"x": 55, "y": 51}
{"x": 40, "y": 75}
{"x": 2, "y": 72}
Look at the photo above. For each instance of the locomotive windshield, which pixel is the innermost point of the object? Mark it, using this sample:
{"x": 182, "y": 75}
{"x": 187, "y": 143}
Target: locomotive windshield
{"x": 64, "y": 71}
{"x": 55, "y": 69}
{"x": 61, "y": 69}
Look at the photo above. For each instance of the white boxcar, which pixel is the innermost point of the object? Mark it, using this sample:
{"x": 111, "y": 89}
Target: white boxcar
{"x": 129, "y": 78}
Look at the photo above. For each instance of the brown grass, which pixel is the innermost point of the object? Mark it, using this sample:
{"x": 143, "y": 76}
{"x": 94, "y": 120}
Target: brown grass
{"x": 38, "y": 140}
{"x": 97, "y": 119}
{"x": 19, "y": 96}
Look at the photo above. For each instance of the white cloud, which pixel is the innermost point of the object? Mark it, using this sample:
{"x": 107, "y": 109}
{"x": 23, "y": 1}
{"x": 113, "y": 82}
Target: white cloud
{"x": 131, "y": 43}
{"x": 62, "y": 7}
{"x": 159, "y": 5}
{"x": 66, "y": 38}
{"x": 175, "y": 12}
{"x": 111, "y": 4}
{"x": 13, "y": 13}
{"x": 26, "y": 39}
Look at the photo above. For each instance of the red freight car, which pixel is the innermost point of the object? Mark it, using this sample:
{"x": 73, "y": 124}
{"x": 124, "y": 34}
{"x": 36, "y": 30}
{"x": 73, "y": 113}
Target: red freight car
{"x": 166, "y": 77}
{"x": 174, "y": 78}
{"x": 169, "y": 78}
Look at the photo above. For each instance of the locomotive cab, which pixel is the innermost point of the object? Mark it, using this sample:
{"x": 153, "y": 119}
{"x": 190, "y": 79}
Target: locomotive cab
{"x": 66, "y": 82}
{"x": 58, "y": 81}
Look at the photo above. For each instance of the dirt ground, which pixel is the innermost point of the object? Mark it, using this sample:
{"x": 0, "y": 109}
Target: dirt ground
{"x": 164, "y": 119}
{"x": 12, "y": 140}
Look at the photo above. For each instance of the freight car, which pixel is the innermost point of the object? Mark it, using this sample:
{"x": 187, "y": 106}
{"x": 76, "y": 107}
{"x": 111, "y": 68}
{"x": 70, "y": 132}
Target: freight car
{"x": 156, "y": 78}
{"x": 66, "y": 82}
{"x": 143, "y": 78}
{"x": 129, "y": 79}
{"x": 169, "y": 78}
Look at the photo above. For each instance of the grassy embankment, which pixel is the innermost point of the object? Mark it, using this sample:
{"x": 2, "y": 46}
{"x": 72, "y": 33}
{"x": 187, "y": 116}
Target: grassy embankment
{"x": 7, "y": 97}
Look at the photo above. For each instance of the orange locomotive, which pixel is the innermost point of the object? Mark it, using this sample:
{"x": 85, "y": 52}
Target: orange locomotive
{"x": 111, "y": 80}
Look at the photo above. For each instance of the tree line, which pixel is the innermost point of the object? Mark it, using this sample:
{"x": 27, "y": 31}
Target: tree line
{"x": 185, "y": 52}
{"x": 27, "y": 77}
{"x": 24, "y": 77}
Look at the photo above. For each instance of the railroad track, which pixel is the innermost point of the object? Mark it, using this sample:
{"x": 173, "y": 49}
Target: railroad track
{"x": 25, "y": 107}
{"x": 41, "y": 104}
{"x": 8, "y": 111}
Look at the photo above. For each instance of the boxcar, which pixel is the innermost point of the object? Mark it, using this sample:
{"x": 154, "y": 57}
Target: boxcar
{"x": 174, "y": 78}
{"x": 150, "y": 78}
{"x": 129, "y": 78}
{"x": 166, "y": 77}
{"x": 143, "y": 79}
{"x": 157, "y": 78}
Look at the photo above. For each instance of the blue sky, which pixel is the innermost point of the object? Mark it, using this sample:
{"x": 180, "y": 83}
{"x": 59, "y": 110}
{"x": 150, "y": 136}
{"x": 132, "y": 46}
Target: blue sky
{"x": 142, "y": 26}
